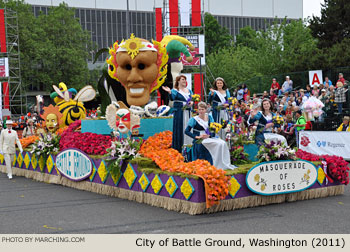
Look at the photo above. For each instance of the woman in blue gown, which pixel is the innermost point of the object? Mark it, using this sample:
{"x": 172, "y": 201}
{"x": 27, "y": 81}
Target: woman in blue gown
{"x": 265, "y": 123}
{"x": 200, "y": 127}
{"x": 181, "y": 96}
{"x": 219, "y": 99}
{"x": 212, "y": 149}
{"x": 218, "y": 96}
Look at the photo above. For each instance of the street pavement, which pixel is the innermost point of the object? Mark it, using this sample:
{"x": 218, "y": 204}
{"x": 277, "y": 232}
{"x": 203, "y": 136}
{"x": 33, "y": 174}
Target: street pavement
{"x": 30, "y": 207}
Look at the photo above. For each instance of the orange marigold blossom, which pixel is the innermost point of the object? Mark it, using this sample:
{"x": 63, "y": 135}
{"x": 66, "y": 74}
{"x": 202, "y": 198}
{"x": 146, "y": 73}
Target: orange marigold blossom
{"x": 28, "y": 140}
{"x": 158, "y": 148}
{"x": 61, "y": 130}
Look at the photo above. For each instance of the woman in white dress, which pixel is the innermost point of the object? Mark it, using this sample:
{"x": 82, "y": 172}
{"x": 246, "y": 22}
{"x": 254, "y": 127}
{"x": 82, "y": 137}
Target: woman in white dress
{"x": 212, "y": 149}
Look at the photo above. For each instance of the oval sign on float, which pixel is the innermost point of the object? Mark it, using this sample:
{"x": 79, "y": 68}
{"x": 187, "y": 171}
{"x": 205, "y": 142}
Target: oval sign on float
{"x": 74, "y": 164}
{"x": 279, "y": 177}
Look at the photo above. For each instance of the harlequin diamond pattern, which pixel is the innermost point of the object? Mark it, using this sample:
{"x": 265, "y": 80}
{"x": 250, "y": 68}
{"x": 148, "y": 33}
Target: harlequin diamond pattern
{"x": 171, "y": 186}
{"x": 34, "y": 162}
{"x": 116, "y": 176}
{"x": 320, "y": 175}
{"x": 102, "y": 172}
{"x": 187, "y": 189}
{"x": 130, "y": 175}
{"x": 144, "y": 182}
{"x": 41, "y": 163}
{"x": 27, "y": 160}
{"x": 156, "y": 184}
{"x": 14, "y": 160}
{"x": 234, "y": 187}
{"x": 93, "y": 173}
{"x": 50, "y": 164}
{"x": 20, "y": 160}
{"x": 1, "y": 159}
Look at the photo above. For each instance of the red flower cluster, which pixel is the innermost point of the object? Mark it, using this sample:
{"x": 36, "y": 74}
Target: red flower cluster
{"x": 307, "y": 156}
{"x": 337, "y": 166}
{"x": 90, "y": 143}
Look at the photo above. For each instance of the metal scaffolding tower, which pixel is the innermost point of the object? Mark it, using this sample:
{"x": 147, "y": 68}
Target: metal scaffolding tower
{"x": 191, "y": 33}
{"x": 16, "y": 99}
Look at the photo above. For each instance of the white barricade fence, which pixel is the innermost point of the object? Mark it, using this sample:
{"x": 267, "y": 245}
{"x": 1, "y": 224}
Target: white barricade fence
{"x": 325, "y": 143}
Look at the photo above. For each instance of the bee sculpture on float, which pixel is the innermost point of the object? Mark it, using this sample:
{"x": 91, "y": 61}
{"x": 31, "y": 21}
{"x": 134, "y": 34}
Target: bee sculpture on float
{"x": 72, "y": 109}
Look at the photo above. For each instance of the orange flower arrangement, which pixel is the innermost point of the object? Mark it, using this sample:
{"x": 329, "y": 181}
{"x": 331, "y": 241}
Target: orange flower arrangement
{"x": 25, "y": 142}
{"x": 61, "y": 130}
{"x": 158, "y": 148}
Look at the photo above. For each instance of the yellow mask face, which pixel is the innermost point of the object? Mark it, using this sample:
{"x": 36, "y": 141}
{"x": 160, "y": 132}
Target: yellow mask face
{"x": 51, "y": 122}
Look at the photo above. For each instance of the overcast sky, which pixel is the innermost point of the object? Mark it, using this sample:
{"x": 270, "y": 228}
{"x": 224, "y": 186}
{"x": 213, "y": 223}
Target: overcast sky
{"x": 312, "y": 7}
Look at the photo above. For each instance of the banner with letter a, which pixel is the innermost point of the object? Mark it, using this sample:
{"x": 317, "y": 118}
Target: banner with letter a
{"x": 325, "y": 143}
{"x": 315, "y": 78}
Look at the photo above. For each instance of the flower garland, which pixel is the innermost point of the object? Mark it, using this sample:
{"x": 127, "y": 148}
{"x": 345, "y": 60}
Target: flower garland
{"x": 158, "y": 148}
{"x": 25, "y": 142}
{"x": 337, "y": 167}
{"x": 90, "y": 143}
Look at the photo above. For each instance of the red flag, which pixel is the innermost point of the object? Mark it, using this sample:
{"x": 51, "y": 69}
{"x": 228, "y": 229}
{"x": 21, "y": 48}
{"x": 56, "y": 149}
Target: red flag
{"x": 196, "y": 13}
{"x": 159, "y": 24}
{"x": 2, "y": 32}
{"x": 174, "y": 16}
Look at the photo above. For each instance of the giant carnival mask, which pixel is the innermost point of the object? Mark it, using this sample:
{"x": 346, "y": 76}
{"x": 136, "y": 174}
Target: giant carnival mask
{"x": 120, "y": 119}
{"x": 139, "y": 66}
{"x": 52, "y": 118}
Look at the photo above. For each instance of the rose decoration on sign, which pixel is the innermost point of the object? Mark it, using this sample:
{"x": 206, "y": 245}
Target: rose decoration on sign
{"x": 304, "y": 141}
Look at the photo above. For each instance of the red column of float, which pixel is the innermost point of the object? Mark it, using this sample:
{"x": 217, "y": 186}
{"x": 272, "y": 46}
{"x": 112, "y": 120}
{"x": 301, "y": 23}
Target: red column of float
{"x": 198, "y": 85}
{"x": 5, "y": 85}
{"x": 174, "y": 15}
{"x": 196, "y": 13}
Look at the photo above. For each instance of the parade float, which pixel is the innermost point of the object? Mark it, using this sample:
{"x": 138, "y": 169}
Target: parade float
{"x": 128, "y": 153}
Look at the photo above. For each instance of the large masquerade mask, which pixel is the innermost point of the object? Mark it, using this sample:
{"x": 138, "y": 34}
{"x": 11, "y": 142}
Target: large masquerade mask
{"x": 139, "y": 66}
{"x": 120, "y": 119}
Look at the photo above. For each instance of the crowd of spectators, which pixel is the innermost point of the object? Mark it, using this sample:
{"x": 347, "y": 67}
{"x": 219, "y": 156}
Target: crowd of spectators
{"x": 300, "y": 108}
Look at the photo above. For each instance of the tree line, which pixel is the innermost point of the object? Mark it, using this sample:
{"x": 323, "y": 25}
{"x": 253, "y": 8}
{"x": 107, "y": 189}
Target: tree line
{"x": 301, "y": 45}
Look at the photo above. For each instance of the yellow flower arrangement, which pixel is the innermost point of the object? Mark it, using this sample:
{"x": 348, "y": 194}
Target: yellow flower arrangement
{"x": 232, "y": 100}
{"x": 278, "y": 120}
{"x": 196, "y": 97}
{"x": 215, "y": 127}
